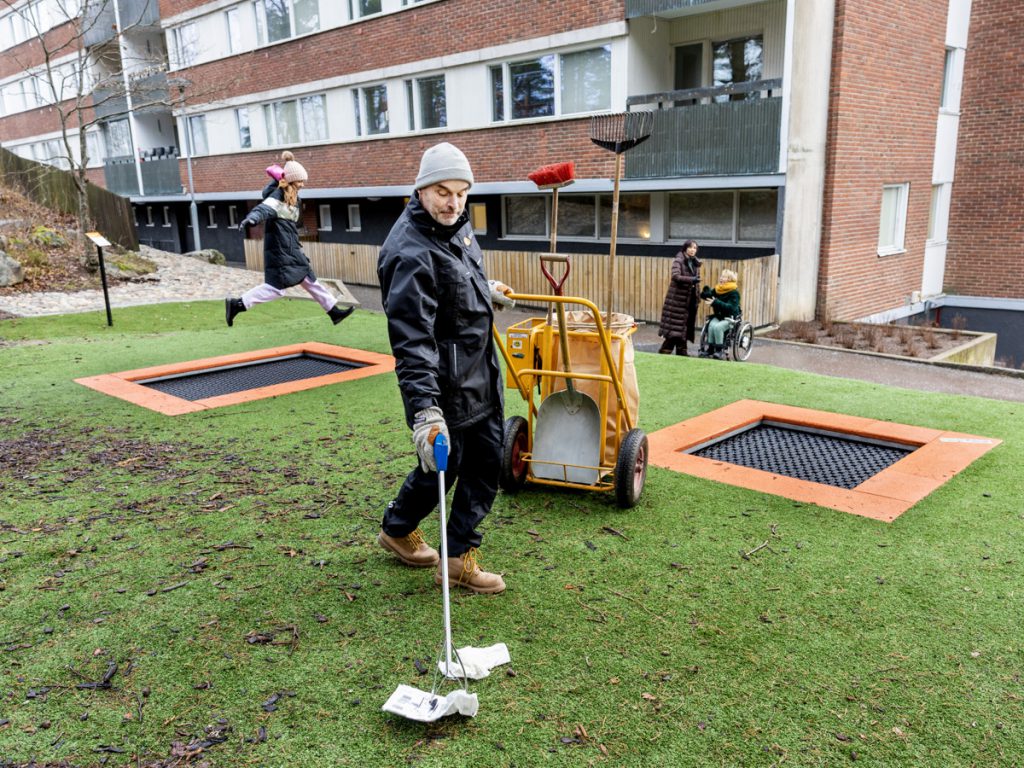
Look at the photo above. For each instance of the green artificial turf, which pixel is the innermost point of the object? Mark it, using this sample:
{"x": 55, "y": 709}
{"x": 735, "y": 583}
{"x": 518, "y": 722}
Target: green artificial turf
{"x": 226, "y": 562}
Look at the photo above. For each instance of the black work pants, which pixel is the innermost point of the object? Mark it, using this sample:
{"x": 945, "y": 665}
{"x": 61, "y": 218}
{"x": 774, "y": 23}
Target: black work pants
{"x": 474, "y": 461}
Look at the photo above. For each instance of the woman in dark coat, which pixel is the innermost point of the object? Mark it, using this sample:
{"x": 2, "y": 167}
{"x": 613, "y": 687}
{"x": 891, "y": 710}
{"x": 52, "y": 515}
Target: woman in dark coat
{"x": 679, "y": 313}
{"x": 284, "y": 263}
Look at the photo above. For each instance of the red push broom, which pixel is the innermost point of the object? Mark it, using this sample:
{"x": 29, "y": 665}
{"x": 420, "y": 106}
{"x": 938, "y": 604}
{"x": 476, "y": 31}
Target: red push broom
{"x": 554, "y": 177}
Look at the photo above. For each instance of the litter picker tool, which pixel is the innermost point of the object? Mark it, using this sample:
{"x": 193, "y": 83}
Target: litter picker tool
{"x": 618, "y": 133}
{"x": 426, "y": 707}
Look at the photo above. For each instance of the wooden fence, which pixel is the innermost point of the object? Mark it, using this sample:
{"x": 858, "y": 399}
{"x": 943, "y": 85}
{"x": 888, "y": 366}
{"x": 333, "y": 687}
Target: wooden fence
{"x": 55, "y": 189}
{"x": 642, "y": 280}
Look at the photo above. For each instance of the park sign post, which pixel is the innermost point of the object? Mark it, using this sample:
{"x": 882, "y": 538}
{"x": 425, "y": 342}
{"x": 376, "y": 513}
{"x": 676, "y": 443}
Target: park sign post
{"x": 101, "y": 242}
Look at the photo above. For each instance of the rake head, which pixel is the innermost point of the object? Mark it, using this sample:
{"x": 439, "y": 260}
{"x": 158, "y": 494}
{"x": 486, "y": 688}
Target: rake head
{"x": 622, "y": 131}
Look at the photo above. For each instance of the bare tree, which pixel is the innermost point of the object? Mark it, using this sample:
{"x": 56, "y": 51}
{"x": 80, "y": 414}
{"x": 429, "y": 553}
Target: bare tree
{"x": 88, "y": 77}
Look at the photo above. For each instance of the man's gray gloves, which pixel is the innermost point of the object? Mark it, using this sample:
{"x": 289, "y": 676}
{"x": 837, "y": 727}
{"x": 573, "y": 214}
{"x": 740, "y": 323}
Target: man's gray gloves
{"x": 499, "y": 295}
{"x": 245, "y": 224}
{"x": 427, "y": 425}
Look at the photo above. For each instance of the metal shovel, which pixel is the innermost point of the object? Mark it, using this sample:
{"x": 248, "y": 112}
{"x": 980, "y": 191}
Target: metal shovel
{"x": 567, "y": 435}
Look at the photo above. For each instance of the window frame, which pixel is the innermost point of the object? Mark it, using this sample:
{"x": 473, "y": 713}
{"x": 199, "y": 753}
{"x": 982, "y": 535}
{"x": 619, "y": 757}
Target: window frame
{"x": 269, "y": 112}
{"x": 501, "y": 93}
{"x": 362, "y": 114}
{"x": 355, "y": 218}
{"x": 167, "y": 216}
{"x": 262, "y": 29}
{"x": 185, "y": 51}
{"x": 244, "y": 131}
{"x": 734, "y": 218}
{"x": 232, "y": 216}
{"x": 149, "y": 216}
{"x": 899, "y": 219}
{"x": 211, "y": 216}
{"x": 191, "y": 122}
{"x": 325, "y": 223}
{"x": 414, "y": 101}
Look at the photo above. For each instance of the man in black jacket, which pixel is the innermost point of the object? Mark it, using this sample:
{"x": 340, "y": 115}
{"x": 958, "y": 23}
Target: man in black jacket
{"x": 439, "y": 308}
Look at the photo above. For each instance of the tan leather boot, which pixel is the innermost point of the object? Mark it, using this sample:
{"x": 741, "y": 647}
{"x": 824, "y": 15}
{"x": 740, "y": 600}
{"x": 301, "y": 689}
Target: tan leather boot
{"x": 411, "y": 550}
{"x": 464, "y": 571}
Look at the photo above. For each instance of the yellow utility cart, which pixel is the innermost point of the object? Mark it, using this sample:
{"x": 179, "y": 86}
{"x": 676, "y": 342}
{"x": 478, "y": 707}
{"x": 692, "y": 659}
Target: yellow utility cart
{"x": 578, "y": 380}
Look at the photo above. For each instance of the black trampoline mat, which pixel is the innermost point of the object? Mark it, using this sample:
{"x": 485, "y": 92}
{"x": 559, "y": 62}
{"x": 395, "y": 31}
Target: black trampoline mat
{"x": 213, "y": 382}
{"x": 828, "y": 458}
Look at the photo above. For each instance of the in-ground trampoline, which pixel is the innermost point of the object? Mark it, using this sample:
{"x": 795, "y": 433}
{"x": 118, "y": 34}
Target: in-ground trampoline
{"x": 872, "y": 468}
{"x": 214, "y": 382}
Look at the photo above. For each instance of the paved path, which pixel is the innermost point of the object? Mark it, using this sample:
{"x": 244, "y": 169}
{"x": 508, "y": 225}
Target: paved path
{"x": 180, "y": 278}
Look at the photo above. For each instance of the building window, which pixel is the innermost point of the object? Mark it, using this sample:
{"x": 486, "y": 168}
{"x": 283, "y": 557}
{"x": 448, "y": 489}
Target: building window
{"x": 185, "y": 40}
{"x": 372, "y": 110}
{"x": 233, "y": 216}
{"x": 532, "y": 87}
{"x": 197, "y": 134}
{"x": 478, "y": 217}
{"x": 938, "y": 214}
{"x": 211, "y": 217}
{"x": 149, "y": 215}
{"x": 325, "y": 218}
{"x": 498, "y": 94}
{"x": 579, "y": 216}
{"x": 756, "y": 215}
{"x": 737, "y": 61}
{"x": 94, "y": 147}
{"x": 294, "y": 121}
{"x": 586, "y": 80}
{"x": 427, "y": 107}
{"x": 357, "y": 9}
{"x": 167, "y": 215}
{"x": 242, "y": 121}
{"x": 726, "y": 216}
{"x": 281, "y": 19}
{"x": 355, "y": 220}
{"x": 119, "y": 139}
{"x": 893, "y": 220}
{"x": 948, "y": 69}
{"x": 135, "y": 215}
{"x": 565, "y": 84}
{"x": 232, "y": 26}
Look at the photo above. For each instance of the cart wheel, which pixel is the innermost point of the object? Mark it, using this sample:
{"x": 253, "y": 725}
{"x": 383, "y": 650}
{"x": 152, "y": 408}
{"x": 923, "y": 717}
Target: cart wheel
{"x": 513, "y": 446}
{"x": 742, "y": 341}
{"x": 631, "y": 468}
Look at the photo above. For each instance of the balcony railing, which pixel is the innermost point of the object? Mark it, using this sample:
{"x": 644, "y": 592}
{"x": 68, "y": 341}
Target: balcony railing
{"x": 160, "y": 176}
{"x": 100, "y": 22}
{"x": 636, "y": 8}
{"x": 696, "y": 136}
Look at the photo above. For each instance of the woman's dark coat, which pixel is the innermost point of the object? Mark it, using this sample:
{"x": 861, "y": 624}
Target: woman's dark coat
{"x": 284, "y": 263}
{"x": 679, "y": 313}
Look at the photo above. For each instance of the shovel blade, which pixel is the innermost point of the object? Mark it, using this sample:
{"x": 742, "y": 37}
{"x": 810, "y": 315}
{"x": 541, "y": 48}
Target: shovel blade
{"x": 567, "y": 432}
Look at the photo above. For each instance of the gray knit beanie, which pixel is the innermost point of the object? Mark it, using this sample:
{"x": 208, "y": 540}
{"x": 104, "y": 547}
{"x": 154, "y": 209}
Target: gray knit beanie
{"x": 443, "y": 162}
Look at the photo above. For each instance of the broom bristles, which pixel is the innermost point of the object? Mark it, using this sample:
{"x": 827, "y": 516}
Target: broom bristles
{"x": 555, "y": 175}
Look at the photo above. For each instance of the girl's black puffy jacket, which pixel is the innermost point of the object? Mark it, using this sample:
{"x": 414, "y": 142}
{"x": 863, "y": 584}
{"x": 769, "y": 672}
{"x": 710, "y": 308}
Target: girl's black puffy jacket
{"x": 284, "y": 263}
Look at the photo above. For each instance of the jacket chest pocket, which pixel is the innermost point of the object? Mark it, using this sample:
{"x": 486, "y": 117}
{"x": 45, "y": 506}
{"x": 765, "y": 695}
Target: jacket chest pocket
{"x": 453, "y": 287}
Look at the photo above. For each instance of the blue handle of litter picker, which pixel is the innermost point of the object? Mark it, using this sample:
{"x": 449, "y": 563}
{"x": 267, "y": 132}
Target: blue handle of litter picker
{"x": 441, "y": 452}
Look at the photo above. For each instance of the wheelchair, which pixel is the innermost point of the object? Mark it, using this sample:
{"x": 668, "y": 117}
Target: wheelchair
{"x": 739, "y": 338}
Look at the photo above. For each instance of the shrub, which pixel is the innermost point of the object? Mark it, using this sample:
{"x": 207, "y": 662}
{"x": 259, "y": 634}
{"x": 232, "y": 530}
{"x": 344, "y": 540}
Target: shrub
{"x": 929, "y": 337}
{"x": 958, "y": 325}
{"x": 33, "y": 257}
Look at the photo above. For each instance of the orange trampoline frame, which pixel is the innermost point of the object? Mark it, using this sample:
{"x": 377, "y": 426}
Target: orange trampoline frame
{"x": 123, "y": 385}
{"x": 937, "y": 456}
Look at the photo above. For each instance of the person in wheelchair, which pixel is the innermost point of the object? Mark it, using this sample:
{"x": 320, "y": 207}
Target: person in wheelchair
{"x": 724, "y": 301}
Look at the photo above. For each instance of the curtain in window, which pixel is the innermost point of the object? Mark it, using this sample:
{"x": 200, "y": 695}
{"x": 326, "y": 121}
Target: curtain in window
{"x": 533, "y": 87}
{"x": 307, "y": 16}
{"x": 244, "y": 137}
{"x": 286, "y": 122}
{"x": 197, "y": 129}
{"x": 890, "y": 214}
{"x": 587, "y": 80}
{"x": 738, "y": 61}
{"x": 498, "y": 94}
{"x": 314, "y": 118}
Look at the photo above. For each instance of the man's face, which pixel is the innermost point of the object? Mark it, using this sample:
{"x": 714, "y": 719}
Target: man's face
{"x": 445, "y": 200}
